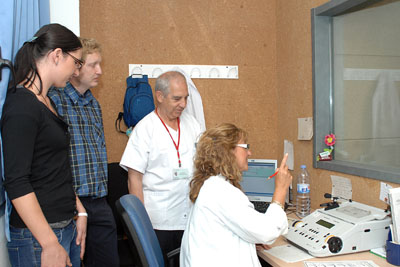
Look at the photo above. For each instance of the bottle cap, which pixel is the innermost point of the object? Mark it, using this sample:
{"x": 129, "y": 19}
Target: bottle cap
{"x": 303, "y": 166}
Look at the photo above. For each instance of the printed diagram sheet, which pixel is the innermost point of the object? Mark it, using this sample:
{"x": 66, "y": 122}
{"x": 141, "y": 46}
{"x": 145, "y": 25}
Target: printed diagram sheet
{"x": 365, "y": 263}
{"x": 289, "y": 253}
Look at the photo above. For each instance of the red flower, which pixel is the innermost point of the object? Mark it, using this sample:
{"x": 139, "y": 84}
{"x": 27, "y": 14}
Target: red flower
{"x": 330, "y": 139}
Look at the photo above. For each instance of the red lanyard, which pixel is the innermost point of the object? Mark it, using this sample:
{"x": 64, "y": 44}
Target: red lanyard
{"x": 179, "y": 136}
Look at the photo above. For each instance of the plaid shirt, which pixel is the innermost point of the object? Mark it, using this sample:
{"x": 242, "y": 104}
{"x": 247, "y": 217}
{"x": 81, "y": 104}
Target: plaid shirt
{"x": 88, "y": 156}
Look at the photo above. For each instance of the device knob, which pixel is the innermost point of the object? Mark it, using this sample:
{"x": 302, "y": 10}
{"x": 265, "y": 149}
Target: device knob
{"x": 335, "y": 244}
{"x": 297, "y": 224}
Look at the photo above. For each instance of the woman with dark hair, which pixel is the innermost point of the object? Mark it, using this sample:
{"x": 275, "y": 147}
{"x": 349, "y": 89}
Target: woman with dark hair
{"x": 37, "y": 173}
{"x": 223, "y": 227}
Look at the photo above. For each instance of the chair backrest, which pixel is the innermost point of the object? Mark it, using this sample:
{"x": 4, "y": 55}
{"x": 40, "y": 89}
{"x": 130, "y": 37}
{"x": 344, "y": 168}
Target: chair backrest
{"x": 140, "y": 230}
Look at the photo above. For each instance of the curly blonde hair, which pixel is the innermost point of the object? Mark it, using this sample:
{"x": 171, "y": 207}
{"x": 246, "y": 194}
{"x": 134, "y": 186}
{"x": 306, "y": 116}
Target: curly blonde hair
{"x": 215, "y": 155}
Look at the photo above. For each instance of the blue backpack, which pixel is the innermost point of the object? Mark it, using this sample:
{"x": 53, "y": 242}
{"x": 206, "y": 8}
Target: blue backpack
{"x": 138, "y": 101}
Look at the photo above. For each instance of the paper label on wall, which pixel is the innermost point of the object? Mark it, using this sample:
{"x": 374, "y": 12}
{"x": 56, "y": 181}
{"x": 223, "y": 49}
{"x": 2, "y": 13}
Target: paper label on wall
{"x": 305, "y": 128}
{"x": 384, "y": 193}
{"x": 341, "y": 187}
{"x": 288, "y": 148}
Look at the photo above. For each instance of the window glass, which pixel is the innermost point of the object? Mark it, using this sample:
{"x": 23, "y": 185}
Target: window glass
{"x": 356, "y": 87}
{"x": 366, "y": 82}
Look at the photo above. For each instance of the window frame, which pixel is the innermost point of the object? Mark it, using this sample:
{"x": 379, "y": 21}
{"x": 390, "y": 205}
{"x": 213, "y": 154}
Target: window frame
{"x": 322, "y": 61}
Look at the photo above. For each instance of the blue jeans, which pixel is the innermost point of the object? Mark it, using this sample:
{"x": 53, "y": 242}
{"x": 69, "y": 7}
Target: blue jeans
{"x": 25, "y": 251}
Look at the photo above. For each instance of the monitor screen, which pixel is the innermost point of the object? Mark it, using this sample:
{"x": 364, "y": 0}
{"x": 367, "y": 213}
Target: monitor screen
{"x": 254, "y": 181}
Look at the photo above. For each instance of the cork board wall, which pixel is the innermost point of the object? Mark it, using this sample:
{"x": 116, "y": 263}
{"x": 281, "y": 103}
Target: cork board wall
{"x": 269, "y": 40}
{"x": 207, "y": 32}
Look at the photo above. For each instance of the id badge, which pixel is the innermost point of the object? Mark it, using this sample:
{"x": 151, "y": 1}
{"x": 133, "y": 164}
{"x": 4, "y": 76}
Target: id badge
{"x": 180, "y": 173}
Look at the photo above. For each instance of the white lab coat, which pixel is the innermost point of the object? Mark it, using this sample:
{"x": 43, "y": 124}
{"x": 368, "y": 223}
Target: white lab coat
{"x": 194, "y": 104}
{"x": 223, "y": 227}
{"x": 151, "y": 151}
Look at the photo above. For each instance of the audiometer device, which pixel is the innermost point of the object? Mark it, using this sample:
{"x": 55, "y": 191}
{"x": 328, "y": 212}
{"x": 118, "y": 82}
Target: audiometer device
{"x": 352, "y": 227}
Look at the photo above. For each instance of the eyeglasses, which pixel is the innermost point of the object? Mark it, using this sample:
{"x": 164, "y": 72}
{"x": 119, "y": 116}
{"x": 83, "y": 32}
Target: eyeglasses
{"x": 78, "y": 62}
{"x": 245, "y": 146}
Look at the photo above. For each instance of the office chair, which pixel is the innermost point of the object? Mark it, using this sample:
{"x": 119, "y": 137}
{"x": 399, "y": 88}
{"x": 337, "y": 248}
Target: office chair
{"x": 141, "y": 234}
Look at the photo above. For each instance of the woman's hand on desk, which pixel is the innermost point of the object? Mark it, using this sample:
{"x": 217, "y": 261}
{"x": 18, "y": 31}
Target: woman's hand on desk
{"x": 262, "y": 247}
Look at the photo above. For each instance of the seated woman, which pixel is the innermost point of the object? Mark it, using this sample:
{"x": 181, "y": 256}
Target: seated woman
{"x": 223, "y": 227}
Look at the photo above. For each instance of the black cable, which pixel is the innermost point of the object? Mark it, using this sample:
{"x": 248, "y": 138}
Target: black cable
{"x": 7, "y": 63}
{"x": 118, "y": 123}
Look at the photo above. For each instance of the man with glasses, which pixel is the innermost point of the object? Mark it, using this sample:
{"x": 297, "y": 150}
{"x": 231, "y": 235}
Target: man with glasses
{"x": 159, "y": 159}
{"x": 81, "y": 111}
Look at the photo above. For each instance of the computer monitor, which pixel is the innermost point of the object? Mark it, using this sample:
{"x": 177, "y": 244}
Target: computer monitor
{"x": 254, "y": 181}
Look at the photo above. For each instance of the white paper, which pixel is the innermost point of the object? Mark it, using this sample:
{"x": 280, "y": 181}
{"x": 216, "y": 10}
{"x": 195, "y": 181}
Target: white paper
{"x": 362, "y": 263}
{"x": 394, "y": 197}
{"x": 305, "y": 128}
{"x": 384, "y": 193}
{"x": 341, "y": 187}
{"x": 288, "y": 148}
{"x": 379, "y": 251}
{"x": 289, "y": 253}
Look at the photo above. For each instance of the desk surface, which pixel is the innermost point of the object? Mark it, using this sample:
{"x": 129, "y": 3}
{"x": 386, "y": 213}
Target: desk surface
{"x": 274, "y": 261}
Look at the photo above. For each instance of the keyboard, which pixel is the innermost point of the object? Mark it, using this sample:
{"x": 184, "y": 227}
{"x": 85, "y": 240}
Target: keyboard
{"x": 260, "y": 206}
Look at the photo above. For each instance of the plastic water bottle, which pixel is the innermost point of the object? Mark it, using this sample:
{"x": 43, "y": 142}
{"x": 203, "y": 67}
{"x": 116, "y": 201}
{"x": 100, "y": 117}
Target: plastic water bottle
{"x": 303, "y": 204}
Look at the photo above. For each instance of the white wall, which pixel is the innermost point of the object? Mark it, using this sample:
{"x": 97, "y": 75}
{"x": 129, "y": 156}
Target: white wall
{"x": 66, "y": 13}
